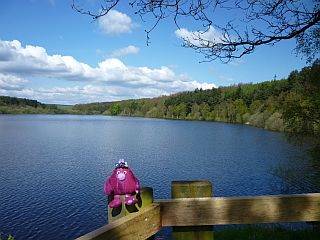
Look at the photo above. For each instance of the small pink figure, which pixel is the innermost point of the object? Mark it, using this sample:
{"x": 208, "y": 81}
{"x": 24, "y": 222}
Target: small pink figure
{"x": 122, "y": 182}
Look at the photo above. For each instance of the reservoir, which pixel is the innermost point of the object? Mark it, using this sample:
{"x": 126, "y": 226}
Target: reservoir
{"x": 53, "y": 167}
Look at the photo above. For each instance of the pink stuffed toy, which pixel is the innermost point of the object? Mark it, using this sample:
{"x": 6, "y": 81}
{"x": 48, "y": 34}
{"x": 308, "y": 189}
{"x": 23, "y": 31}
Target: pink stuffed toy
{"x": 122, "y": 182}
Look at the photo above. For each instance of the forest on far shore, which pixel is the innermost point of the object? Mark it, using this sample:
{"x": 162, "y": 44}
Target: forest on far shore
{"x": 14, "y": 105}
{"x": 291, "y": 104}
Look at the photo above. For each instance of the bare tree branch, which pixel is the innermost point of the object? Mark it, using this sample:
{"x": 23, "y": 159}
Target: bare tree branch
{"x": 251, "y": 23}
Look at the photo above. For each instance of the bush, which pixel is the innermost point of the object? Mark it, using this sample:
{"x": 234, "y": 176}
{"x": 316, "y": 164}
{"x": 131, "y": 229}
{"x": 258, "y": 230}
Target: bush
{"x": 259, "y": 119}
{"x": 260, "y": 233}
{"x": 275, "y": 122}
{"x": 153, "y": 113}
{"x": 246, "y": 117}
{"x": 9, "y": 237}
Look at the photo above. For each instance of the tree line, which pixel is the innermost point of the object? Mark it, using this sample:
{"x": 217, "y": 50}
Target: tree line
{"x": 291, "y": 104}
{"x": 14, "y": 105}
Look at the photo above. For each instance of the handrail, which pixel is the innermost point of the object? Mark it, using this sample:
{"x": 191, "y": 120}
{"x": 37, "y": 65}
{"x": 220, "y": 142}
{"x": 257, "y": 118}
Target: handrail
{"x": 181, "y": 213}
{"x": 240, "y": 210}
{"x": 138, "y": 225}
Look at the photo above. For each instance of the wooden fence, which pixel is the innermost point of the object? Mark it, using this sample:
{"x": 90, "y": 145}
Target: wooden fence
{"x": 192, "y": 217}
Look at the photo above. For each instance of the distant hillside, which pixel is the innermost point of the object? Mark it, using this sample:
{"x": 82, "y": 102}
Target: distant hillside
{"x": 14, "y": 105}
{"x": 265, "y": 104}
{"x": 255, "y": 104}
{"x": 133, "y": 107}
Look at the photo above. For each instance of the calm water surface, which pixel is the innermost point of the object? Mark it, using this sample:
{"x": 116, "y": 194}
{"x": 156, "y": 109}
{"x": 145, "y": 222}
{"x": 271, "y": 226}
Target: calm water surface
{"x": 52, "y": 167}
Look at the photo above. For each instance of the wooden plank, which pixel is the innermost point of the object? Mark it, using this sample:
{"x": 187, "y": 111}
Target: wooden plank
{"x": 138, "y": 225}
{"x": 191, "y": 189}
{"x": 240, "y": 210}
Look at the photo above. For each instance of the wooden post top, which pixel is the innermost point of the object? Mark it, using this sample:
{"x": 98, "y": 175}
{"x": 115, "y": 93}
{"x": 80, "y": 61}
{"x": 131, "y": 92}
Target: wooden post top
{"x": 191, "y": 189}
{"x": 198, "y": 183}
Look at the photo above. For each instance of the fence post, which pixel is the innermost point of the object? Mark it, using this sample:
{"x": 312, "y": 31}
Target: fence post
{"x": 192, "y": 189}
{"x": 145, "y": 198}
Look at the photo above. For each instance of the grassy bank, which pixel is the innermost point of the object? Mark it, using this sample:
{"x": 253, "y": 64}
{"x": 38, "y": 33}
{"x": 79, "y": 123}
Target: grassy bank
{"x": 259, "y": 233}
{"x": 6, "y": 237}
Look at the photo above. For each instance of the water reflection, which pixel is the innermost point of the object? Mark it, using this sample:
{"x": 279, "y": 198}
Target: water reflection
{"x": 300, "y": 174}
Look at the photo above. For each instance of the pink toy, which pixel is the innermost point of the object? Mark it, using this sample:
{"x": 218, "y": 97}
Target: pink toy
{"x": 122, "y": 182}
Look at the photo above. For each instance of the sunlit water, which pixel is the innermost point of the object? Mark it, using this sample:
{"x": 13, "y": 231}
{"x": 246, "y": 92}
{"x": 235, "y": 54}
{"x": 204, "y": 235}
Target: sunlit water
{"x": 52, "y": 167}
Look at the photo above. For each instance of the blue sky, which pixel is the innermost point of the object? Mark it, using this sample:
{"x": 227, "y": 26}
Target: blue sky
{"x": 53, "y": 54}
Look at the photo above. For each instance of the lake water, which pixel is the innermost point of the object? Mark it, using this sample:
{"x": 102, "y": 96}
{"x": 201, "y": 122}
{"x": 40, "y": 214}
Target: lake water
{"x": 53, "y": 167}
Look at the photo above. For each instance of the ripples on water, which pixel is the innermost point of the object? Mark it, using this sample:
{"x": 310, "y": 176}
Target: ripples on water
{"x": 53, "y": 167}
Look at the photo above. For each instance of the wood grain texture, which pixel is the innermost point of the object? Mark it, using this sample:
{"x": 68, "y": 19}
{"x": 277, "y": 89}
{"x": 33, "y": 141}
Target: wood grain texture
{"x": 139, "y": 225}
{"x": 191, "y": 189}
{"x": 240, "y": 210}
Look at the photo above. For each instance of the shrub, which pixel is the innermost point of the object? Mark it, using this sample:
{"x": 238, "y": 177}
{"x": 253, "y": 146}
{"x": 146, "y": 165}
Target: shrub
{"x": 9, "y": 237}
{"x": 275, "y": 122}
{"x": 259, "y": 119}
{"x": 246, "y": 117}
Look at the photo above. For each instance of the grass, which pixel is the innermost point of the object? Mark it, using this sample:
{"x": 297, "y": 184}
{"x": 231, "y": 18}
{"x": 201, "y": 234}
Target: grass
{"x": 254, "y": 233}
{"x": 65, "y": 107}
{"x": 259, "y": 233}
{"x": 9, "y": 237}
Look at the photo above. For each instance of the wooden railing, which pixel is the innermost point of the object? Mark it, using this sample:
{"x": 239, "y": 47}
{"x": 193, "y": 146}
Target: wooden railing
{"x": 183, "y": 212}
{"x": 139, "y": 225}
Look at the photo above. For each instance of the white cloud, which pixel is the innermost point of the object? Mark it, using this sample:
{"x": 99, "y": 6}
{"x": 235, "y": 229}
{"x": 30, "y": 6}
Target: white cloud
{"x": 34, "y": 61}
{"x": 194, "y": 37}
{"x": 112, "y": 79}
{"x": 10, "y": 82}
{"x": 115, "y": 23}
{"x": 125, "y": 51}
{"x": 82, "y": 94}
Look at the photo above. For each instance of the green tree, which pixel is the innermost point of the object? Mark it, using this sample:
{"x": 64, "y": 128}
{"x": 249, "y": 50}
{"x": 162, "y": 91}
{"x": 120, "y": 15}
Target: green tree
{"x": 204, "y": 111}
{"x": 195, "y": 112}
{"x": 153, "y": 113}
{"x": 170, "y": 112}
{"x": 301, "y": 111}
{"x": 115, "y": 109}
{"x": 256, "y": 106}
{"x": 275, "y": 122}
{"x": 240, "y": 110}
{"x": 181, "y": 111}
